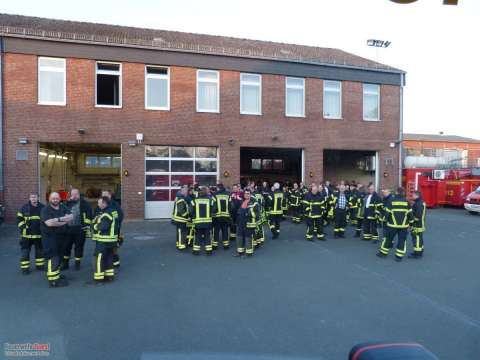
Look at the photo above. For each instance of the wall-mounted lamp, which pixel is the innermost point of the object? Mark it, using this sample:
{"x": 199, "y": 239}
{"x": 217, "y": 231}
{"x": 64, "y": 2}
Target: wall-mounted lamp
{"x": 82, "y": 131}
{"x": 23, "y": 140}
{"x": 125, "y": 172}
{"x": 274, "y": 138}
{"x": 385, "y": 174}
{"x": 132, "y": 143}
{"x": 231, "y": 141}
{"x": 139, "y": 138}
{"x": 226, "y": 174}
{"x": 310, "y": 174}
{"x": 392, "y": 145}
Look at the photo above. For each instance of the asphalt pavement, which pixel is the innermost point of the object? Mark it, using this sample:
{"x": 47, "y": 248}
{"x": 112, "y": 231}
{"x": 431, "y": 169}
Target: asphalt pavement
{"x": 293, "y": 300}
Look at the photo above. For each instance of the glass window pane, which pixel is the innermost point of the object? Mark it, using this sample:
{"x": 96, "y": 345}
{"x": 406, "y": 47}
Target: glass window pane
{"x": 371, "y": 88}
{"x": 51, "y": 86}
{"x": 156, "y": 151}
{"x": 207, "y": 96}
{"x": 295, "y": 102}
{"x": 179, "y": 180}
{"x": 91, "y": 161}
{"x": 157, "y": 180}
{"x": 157, "y": 195}
{"x": 157, "y": 165}
{"x": 206, "y": 152}
{"x": 173, "y": 193}
{"x": 332, "y": 85}
{"x": 266, "y": 164}
{"x": 117, "y": 162}
{"x": 54, "y": 63}
{"x": 108, "y": 89}
{"x": 294, "y": 82}
{"x": 182, "y": 166}
{"x": 331, "y": 104}
{"x": 370, "y": 107}
{"x": 208, "y": 75}
{"x": 157, "y": 93}
{"x": 105, "y": 161}
{"x": 206, "y": 180}
{"x": 278, "y": 164}
{"x": 250, "y": 78}
{"x": 250, "y": 99}
{"x": 182, "y": 151}
{"x": 206, "y": 166}
{"x": 109, "y": 67}
{"x": 157, "y": 70}
{"x": 256, "y": 164}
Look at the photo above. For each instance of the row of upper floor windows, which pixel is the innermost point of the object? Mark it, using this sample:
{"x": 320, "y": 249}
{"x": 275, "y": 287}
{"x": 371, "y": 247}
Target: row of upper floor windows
{"x": 108, "y": 90}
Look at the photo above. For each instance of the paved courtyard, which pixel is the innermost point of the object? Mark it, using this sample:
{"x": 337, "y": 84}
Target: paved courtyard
{"x": 293, "y": 299}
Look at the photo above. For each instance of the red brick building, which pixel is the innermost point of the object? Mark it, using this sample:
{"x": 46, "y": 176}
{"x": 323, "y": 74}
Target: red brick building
{"x": 141, "y": 111}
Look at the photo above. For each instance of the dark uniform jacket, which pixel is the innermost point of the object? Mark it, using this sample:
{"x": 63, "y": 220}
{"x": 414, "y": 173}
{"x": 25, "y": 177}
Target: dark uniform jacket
{"x": 250, "y": 216}
{"x": 398, "y": 212}
{"x": 419, "y": 210}
{"x": 295, "y": 198}
{"x": 104, "y": 226}
{"x": 372, "y": 211}
{"x": 274, "y": 202}
{"x": 181, "y": 213}
{"x": 222, "y": 205}
{"x": 314, "y": 205}
{"x": 28, "y": 221}
{"x": 202, "y": 210}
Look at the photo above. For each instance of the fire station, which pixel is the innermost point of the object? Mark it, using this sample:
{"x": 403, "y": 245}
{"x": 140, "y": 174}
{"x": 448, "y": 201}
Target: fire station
{"x": 142, "y": 111}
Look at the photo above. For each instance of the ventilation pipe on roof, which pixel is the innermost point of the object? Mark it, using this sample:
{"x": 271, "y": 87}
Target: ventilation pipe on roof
{"x": 1, "y": 113}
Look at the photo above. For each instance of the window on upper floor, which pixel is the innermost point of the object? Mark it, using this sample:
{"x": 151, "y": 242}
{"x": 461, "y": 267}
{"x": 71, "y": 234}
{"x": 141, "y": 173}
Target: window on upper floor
{"x": 295, "y": 97}
{"x": 157, "y": 88}
{"x": 108, "y": 92}
{"x": 51, "y": 81}
{"x": 250, "y": 94}
{"x": 371, "y": 102}
{"x": 208, "y": 91}
{"x": 332, "y": 99}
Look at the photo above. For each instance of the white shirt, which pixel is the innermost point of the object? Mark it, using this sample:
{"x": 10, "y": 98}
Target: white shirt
{"x": 367, "y": 203}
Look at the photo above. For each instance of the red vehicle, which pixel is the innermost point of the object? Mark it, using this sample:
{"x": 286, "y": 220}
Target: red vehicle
{"x": 472, "y": 202}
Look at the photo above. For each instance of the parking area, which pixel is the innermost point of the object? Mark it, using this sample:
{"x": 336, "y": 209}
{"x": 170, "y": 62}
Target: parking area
{"x": 293, "y": 299}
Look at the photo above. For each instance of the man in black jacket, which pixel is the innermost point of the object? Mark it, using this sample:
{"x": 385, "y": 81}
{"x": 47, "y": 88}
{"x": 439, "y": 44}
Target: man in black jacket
{"x": 77, "y": 229}
{"x": 419, "y": 210}
{"x": 371, "y": 208}
{"x": 117, "y": 212}
{"x": 28, "y": 222}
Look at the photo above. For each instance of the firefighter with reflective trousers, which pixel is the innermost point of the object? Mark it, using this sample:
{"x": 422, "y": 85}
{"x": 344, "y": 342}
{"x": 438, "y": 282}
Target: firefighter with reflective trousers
{"x": 398, "y": 219}
{"x": 419, "y": 210}
{"x": 259, "y": 238}
{"x": 248, "y": 215}
{"x": 339, "y": 206}
{"x": 221, "y": 219}
{"x": 274, "y": 203}
{"x": 105, "y": 235}
{"x": 371, "y": 207}
{"x": 295, "y": 203}
{"x": 28, "y": 222}
{"x": 202, "y": 209}
{"x": 314, "y": 211}
{"x": 180, "y": 217}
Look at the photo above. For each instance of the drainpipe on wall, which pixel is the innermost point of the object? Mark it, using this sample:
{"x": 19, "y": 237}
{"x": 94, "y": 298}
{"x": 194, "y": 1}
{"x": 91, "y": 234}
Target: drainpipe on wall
{"x": 1, "y": 114}
{"x": 400, "y": 137}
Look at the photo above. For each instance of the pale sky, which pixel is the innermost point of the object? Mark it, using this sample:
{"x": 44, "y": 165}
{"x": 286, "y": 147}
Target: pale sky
{"x": 437, "y": 45}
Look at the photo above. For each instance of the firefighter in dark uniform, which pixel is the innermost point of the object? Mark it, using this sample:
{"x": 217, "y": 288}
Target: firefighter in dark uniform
{"x": 353, "y": 205}
{"x": 28, "y": 222}
{"x": 191, "y": 229}
{"x": 360, "y": 210}
{"x": 419, "y": 210}
{"x": 295, "y": 201}
{"x": 106, "y": 237}
{"x": 117, "y": 212}
{"x": 221, "y": 219}
{"x": 247, "y": 219}
{"x": 54, "y": 218}
{"x": 398, "y": 218}
{"x": 180, "y": 217}
{"x": 202, "y": 209}
{"x": 285, "y": 201}
{"x": 235, "y": 201}
{"x": 382, "y": 218}
{"x": 78, "y": 229}
{"x": 314, "y": 210}
{"x": 371, "y": 205}
{"x": 339, "y": 204}
{"x": 274, "y": 203}
{"x": 259, "y": 236}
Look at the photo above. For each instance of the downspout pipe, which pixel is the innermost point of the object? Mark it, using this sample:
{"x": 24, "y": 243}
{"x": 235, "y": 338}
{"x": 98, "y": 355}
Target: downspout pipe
{"x": 1, "y": 113}
{"x": 400, "y": 135}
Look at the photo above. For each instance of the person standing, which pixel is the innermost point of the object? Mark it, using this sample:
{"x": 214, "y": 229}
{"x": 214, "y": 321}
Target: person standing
{"x": 259, "y": 235}
{"x": 221, "y": 219}
{"x": 339, "y": 204}
{"x": 382, "y": 218}
{"x": 247, "y": 220}
{"x": 54, "y": 218}
{"x": 399, "y": 217}
{"x": 28, "y": 222}
{"x": 202, "y": 209}
{"x": 314, "y": 210}
{"x": 180, "y": 217}
{"x": 235, "y": 201}
{"x": 295, "y": 202}
{"x": 359, "y": 215}
{"x": 117, "y": 212}
{"x": 418, "y": 227}
{"x": 353, "y": 205}
{"x": 77, "y": 229}
{"x": 371, "y": 206}
{"x": 106, "y": 237}
{"x": 274, "y": 205}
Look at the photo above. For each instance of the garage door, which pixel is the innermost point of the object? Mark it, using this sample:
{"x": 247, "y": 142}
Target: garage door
{"x": 169, "y": 167}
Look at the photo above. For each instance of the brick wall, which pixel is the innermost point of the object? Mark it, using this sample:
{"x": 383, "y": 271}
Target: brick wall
{"x": 182, "y": 125}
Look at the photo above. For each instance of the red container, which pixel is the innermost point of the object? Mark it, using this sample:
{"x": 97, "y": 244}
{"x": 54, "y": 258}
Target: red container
{"x": 457, "y": 191}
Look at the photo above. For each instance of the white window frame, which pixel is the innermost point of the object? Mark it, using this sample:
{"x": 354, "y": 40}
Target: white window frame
{"x": 210, "y": 81}
{"x": 363, "y": 101}
{"x": 339, "y": 91}
{"x": 294, "y": 87}
{"x": 157, "y": 76}
{"x": 55, "y": 103}
{"x": 110, "y": 72}
{"x": 250, "y": 83}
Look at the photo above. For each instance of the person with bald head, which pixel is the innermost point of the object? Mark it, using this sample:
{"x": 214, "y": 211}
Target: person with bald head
{"x": 53, "y": 225}
{"x": 78, "y": 229}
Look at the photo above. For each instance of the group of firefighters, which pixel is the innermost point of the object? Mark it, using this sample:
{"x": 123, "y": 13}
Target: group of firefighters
{"x": 58, "y": 228}
{"x": 212, "y": 216}
{"x": 209, "y": 216}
